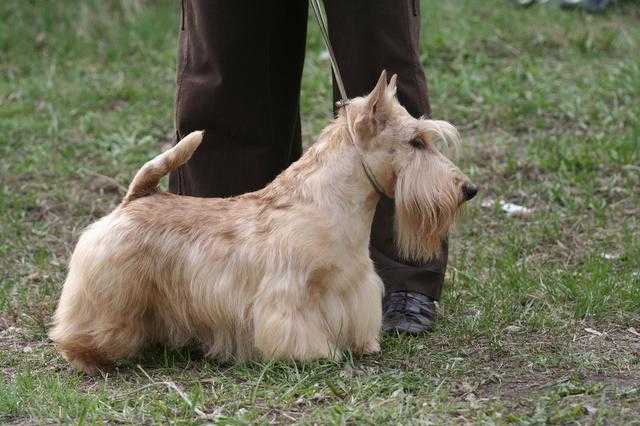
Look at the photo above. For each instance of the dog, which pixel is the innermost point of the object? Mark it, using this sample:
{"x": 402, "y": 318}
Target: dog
{"x": 280, "y": 273}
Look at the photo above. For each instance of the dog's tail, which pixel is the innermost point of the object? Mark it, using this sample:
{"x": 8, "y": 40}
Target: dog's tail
{"x": 146, "y": 180}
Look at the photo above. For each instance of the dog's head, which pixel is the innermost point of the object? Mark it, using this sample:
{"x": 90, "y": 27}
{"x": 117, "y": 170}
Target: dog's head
{"x": 402, "y": 153}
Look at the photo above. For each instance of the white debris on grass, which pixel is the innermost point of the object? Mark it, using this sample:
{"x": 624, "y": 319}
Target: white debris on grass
{"x": 610, "y": 256}
{"x": 511, "y": 209}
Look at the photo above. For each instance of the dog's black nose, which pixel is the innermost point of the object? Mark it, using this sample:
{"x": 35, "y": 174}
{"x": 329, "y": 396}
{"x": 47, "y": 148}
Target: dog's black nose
{"x": 469, "y": 191}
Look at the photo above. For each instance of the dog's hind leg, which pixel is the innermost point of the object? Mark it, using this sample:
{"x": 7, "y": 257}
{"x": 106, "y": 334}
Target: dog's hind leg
{"x": 100, "y": 315}
{"x": 89, "y": 350}
{"x": 92, "y": 332}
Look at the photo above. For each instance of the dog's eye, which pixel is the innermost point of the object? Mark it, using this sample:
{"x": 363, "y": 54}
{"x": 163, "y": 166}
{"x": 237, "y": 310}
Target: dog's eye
{"x": 417, "y": 143}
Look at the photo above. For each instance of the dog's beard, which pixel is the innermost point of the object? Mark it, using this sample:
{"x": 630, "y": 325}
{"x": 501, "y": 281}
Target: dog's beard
{"x": 425, "y": 209}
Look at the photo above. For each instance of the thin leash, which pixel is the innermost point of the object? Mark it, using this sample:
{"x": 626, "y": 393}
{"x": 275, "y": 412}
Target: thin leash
{"x": 322, "y": 23}
{"x": 318, "y": 12}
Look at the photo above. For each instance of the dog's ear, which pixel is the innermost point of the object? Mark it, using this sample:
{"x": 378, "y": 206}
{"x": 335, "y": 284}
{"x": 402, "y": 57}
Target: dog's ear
{"x": 376, "y": 99}
{"x": 392, "y": 88}
{"x": 374, "y": 114}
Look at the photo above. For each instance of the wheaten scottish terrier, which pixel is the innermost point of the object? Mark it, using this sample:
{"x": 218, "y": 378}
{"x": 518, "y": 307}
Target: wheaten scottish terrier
{"x": 280, "y": 273}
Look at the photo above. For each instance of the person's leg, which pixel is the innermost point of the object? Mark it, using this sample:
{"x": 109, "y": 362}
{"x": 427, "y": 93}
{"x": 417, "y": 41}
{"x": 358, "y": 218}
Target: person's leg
{"x": 239, "y": 70}
{"x": 368, "y": 37}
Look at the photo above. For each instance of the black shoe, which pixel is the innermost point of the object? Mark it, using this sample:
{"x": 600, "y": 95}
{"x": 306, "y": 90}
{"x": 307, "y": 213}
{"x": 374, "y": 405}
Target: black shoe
{"x": 407, "y": 312}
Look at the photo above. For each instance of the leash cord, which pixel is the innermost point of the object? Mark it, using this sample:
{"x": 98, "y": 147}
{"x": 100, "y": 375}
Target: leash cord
{"x": 322, "y": 24}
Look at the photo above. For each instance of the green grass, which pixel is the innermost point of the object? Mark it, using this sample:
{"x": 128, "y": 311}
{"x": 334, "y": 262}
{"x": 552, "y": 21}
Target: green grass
{"x": 547, "y": 102}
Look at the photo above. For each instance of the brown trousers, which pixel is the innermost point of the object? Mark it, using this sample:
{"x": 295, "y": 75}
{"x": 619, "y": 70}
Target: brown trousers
{"x": 239, "y": 70}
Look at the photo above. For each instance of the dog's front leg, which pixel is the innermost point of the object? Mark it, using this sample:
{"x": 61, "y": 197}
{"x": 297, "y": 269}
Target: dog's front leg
{"x": 288, "y": 323}
{"x": 364, "y": 305}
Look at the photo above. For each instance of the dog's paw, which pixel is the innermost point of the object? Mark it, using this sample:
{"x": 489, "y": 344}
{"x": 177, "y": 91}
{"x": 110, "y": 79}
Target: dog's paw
{"x": 371, "y": 347}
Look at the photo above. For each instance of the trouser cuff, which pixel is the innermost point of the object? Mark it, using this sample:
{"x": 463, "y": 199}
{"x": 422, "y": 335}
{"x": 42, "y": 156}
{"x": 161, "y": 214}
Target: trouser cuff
{"x": 400, "y": 276}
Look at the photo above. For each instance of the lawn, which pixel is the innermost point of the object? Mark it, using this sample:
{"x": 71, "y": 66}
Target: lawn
{"x": 540, "y": 319}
